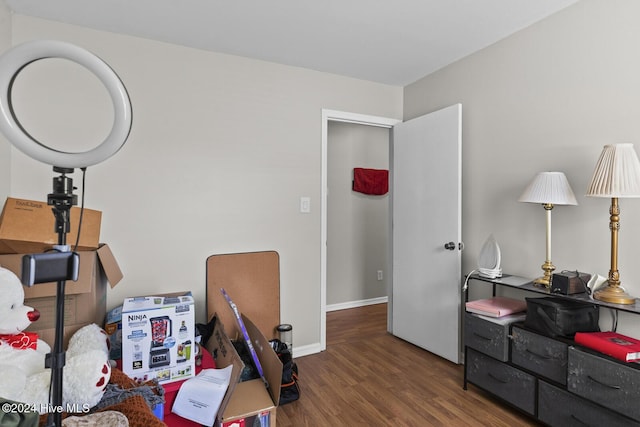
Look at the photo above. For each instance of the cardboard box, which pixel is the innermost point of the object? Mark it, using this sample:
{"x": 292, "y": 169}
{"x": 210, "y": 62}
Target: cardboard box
{"x": 28, "y": 226}
{"x": 249, "y": 401}
{"x": 158, "y": 338}
{"x": 85, "y": 300}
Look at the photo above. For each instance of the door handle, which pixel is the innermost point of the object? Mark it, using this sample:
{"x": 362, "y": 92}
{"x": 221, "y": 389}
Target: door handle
{"x": 451, "y": 246}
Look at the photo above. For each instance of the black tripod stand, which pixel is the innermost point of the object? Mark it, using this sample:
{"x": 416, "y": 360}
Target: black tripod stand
{"x": 62, "y": 199}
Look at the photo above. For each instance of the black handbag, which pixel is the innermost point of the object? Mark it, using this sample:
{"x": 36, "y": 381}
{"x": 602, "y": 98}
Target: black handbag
{"x": 289, "y": 388}
{"x": 561, "y": 317}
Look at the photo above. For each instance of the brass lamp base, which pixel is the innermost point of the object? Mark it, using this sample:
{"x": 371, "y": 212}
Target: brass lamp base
{"x": 545, "y": 280}
{"x": 614, "y": 295}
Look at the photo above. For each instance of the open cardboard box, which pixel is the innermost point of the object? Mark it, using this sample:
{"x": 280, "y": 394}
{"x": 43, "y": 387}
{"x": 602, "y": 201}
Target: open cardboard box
{"x": 28, "y": 226}
{"x": 85, "y": 300}
{"x": 246, "y": 401}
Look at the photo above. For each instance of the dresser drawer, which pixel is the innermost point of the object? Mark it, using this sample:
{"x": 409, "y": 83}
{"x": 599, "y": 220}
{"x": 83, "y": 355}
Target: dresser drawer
{"x": 540, "y": 354}
{"x": 504, "y": 381}
{"x": 610, "y": 383}
{"x": 486, "y": 336}
{"x": 557, "y": 407}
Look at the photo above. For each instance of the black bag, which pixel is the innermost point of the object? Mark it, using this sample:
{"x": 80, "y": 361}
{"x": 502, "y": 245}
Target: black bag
{"x": 560, "y": 317}
{"x": 289, "y": 389}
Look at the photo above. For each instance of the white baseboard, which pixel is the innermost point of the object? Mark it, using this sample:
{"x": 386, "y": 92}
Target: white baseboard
{"x": 315, "y": 348}
{"x": 306, "y": 350}
{"x": 354, "y": 304}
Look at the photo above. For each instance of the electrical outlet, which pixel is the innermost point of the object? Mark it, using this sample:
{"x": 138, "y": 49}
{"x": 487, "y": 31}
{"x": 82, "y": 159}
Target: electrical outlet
{"x": 379, "y": 274}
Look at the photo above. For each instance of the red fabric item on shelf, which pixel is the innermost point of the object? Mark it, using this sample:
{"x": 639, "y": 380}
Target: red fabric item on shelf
{"x": 371, "y": 181}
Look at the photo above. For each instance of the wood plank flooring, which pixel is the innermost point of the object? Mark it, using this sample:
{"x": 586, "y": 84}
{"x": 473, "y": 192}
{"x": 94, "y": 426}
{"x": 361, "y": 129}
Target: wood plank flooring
{"x": 368, "y": 377}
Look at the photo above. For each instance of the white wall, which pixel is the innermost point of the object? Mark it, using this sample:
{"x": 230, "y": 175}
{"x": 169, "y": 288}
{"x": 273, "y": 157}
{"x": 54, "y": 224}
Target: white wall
{"x": 357, "y": 224}
{"x": 221, "y": 150}
{"x": 547, "y": 98}
{"x": 5, "y": 153}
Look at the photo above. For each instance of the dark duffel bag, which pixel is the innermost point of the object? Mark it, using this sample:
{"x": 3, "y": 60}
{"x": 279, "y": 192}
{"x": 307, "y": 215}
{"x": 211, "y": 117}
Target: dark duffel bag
{"x": 289, "y": 389}
{"x": 560, "y": 317}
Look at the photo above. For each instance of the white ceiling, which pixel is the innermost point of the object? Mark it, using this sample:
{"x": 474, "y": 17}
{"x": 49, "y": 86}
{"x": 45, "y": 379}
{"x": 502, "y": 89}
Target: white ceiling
{"x": 394, "y": 41}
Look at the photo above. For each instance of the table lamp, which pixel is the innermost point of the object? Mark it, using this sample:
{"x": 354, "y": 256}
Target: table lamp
{"x": 617, "y": 175}
{"x": 548, "y": 189}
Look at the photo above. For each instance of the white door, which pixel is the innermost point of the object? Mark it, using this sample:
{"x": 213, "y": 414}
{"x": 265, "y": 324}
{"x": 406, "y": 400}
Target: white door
{"x": 426, "y": 217}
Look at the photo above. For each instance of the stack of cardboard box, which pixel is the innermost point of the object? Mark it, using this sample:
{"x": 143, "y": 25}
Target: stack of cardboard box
{"x": 28, "y": 227}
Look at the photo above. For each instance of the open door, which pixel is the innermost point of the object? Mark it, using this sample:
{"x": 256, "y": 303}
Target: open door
{"x": 426, "y": 227}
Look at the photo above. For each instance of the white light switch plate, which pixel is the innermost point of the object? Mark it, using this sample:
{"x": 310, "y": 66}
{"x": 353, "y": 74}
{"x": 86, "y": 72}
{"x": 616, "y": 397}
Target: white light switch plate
{"x": 305, "y": 204}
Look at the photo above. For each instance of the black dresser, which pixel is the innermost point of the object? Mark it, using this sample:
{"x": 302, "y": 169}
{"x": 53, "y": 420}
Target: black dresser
{"x": 552, "y": 380}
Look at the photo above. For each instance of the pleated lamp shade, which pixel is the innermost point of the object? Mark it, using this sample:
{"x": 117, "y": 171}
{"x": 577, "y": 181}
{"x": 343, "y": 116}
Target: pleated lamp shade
{"x": 549, "y": 187}
{"x": 617, "y": 173}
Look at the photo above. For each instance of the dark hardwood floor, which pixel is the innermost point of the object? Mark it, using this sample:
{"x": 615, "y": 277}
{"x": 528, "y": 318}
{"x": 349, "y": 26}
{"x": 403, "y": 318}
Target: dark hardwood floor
{"x": 368, "y": 377}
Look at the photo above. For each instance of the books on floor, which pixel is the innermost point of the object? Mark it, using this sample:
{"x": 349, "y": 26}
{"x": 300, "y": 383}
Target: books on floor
{"x": 496, "y": 306}
{"x": 612, "y": 344}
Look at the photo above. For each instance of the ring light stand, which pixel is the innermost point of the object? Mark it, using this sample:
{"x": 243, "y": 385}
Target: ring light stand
{"x": 62, "y": 197}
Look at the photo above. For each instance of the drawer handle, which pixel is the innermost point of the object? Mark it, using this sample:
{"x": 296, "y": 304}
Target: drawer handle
{"x": 579, "y": 420}
{"x": 483, "y": 337}
{"x": 541, "y": 356}
{"x": 500, "y": 380}
{"x": 615, "y": 387}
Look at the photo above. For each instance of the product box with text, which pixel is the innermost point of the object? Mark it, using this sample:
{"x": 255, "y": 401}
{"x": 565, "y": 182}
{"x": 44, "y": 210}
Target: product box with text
{"x": 158, "y": 338}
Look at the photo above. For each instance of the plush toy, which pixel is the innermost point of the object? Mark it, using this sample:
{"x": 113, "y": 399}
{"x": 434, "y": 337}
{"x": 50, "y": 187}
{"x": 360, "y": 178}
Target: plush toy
{"x": 23, "y": 376}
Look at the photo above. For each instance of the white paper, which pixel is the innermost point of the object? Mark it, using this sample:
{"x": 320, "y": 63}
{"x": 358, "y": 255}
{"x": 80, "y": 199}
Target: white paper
{"x": 199, "y": 398}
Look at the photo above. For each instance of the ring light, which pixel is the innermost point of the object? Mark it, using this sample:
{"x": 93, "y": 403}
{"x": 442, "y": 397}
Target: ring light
{"x": 15, "y": 59}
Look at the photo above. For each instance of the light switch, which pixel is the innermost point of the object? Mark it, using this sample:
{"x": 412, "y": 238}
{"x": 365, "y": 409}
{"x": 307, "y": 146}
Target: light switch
{"x": 305, "y": 204}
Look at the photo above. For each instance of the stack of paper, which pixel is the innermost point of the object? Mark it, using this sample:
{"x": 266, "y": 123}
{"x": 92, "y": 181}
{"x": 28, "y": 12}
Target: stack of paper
{"x": 496, "y": 306}
{"x": 199, "y": 398}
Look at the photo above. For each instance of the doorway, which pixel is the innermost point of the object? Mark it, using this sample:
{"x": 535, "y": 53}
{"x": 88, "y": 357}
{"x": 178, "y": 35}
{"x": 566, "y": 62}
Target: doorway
{"x": 345, "y": 117}
{"x": 426, "y": 150}
{"x": 357, "y": 221}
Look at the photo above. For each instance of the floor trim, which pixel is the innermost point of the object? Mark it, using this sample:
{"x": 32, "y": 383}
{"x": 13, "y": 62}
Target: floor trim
{"x": 359, "y": 303}
{"x": 317, "y": 348}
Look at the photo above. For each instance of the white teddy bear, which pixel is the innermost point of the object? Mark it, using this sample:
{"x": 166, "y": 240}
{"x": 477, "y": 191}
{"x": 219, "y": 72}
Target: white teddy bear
{"x": 23, "y": 376}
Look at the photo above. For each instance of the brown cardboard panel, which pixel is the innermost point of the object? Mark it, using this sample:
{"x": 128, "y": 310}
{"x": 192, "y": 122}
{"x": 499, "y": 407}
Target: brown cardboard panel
{"x": 248, "y": 398}
{"x": 28, "y": 226}
{"x": 224, "y": 354}
{"x": 271, "y": 364}
{"x": 245, "y": 399}
{"x": 109, "y": 265}
{"x": 252, "y": 280}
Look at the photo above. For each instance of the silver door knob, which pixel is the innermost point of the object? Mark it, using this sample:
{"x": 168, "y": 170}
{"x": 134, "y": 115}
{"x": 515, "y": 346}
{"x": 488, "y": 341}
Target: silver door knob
{"x": 450, "y": 246}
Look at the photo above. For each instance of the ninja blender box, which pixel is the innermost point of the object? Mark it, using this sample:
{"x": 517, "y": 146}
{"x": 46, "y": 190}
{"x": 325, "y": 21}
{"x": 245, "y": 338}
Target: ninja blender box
{"x": 158, "y": 338}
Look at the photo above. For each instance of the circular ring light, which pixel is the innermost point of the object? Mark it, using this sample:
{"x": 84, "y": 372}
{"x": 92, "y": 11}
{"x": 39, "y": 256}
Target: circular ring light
{"x": 15, "y": 59}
